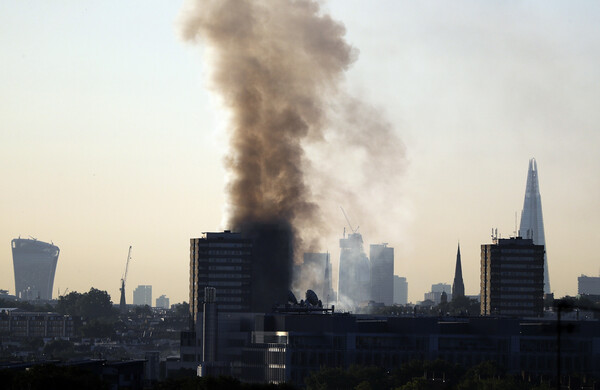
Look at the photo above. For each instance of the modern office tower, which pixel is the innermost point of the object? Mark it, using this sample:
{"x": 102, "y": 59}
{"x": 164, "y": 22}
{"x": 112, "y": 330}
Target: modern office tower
{"x": 532, "y": 222}
{"x": 458, "y": 287}
{"x": 142, "y": 295}
{"x": 163, "y": 302}
{"x": 354, "y": 272}
{"x": 382, "y": 273}
{"x": 223, "y": 261}
{"x": 588, "y": 285}
{"x": 34, "y": 264}
{"x": 400, "y": 290}
{"x": 437, "y": 289}
{"x": 316, "y": 275}
{"x": 512, "y": 278}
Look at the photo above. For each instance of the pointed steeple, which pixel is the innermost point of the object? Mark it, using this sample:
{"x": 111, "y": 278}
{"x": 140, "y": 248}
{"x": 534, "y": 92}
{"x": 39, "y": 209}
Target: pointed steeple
{"x": 458, "y": 287}
{"x": 532, "y": 222}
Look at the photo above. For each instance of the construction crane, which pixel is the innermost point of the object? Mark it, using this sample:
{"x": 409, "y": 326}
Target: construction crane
{"x": 122, "y": 304}
{"x": 349, "y": 224}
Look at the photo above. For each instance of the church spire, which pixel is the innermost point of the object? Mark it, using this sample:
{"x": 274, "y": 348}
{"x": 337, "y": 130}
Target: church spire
{"x": 458, "y": 287}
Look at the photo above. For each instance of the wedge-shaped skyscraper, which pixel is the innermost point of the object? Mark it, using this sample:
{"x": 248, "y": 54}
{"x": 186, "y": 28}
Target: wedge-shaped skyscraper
{"x": 35, "y": 264}
{"x": 532, "y": 222}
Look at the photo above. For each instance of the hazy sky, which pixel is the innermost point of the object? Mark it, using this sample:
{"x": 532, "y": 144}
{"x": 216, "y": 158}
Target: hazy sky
{"x": 110, "y": 135}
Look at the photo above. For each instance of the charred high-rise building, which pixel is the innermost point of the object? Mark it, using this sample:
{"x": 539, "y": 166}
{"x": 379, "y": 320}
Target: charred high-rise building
{"x": 250, "y": 272}
{"x": 35, "y": 265}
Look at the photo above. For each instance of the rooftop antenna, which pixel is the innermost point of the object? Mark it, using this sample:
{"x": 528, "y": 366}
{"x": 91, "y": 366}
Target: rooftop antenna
{"x": 515, "y": 224}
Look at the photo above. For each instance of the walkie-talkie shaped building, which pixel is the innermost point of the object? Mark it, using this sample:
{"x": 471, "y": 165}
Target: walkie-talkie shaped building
{"x": 532, "y": 222}
{"x": 35, "y": 265}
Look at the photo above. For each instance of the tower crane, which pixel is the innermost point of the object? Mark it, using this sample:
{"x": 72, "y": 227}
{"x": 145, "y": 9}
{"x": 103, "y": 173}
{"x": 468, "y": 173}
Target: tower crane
{"x": 349, "y": 224}
{"x": 122, "y": 304}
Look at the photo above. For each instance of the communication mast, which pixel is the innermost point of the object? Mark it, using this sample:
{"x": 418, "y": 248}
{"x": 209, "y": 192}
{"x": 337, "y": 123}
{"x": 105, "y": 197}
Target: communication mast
{"x": 122, "y": 304}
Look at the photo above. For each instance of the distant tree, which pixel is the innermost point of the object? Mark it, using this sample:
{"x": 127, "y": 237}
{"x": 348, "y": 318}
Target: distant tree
{"x": 459, "y": 306}
{"x": 51, "y": 377}
{"x": 330, "y": 378}
{"x": 70, "y": 304}
{"x": 97, "y": 304}
{"x": 418, "y": 383}
{"x": 59, "y": 349}
{"x": 216, "y": 383}
{"x": 98, "y": 328}
{"x": 26, "y": 305}
{"x": 94, "y": 304}
{"x": 143, "y": 311}
{"x": 33, "y": 343}
{"x": 182, "y": 309}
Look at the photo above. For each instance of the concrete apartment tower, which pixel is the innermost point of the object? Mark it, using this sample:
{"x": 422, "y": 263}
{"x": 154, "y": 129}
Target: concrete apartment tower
{"x": 458, "y": 287}
{"x": 142, "y": 295}
{"x": 532, "y": 222}
{"x": 512, "y": 278}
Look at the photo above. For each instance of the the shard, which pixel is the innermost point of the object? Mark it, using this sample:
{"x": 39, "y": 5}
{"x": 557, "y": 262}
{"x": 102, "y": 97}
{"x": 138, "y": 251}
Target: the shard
{"x": 532, "y": 222}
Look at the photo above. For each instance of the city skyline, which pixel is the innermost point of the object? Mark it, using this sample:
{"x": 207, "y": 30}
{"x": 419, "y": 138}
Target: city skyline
{"x": 113, "y": 137}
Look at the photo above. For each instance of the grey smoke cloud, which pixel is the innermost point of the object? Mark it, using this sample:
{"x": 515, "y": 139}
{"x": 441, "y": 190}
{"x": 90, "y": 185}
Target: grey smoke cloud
{"x": 278, "y": 66}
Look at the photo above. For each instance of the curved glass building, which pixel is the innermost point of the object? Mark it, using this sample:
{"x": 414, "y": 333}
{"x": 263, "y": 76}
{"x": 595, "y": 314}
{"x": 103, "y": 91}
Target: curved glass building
{"x": 35, "y": 264}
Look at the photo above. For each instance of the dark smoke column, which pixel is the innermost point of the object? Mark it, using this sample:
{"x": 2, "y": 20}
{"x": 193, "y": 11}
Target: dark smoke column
{"x": 275, "y": 63}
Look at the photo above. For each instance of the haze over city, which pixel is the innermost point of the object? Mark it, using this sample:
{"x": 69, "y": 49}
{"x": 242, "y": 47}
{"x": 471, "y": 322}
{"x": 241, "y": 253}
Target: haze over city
{"x": 114, "y": 135}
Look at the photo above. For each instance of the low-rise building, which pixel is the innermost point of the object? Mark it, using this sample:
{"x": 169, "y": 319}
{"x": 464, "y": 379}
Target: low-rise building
{"x": 18, "y": 323}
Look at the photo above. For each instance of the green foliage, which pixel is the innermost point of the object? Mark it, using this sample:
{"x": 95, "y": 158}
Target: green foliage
{"x": 51, "y": 377}
{"x": 459, "y": 306}
{"x": 182, "y": 309}
{"x": 416, "y": 384}
{"x": 99, "y": 328}
{"x": 59, "y": 349}
{"x": 33, "y": 343}
{"x": 26, "y": 305}
{"x": 212, "y": 383}
{"x": 356, "y": 377}
{"x": 419, "y": 375}
{"x": 93, "y": 305}
{"x": 143, "y": 311}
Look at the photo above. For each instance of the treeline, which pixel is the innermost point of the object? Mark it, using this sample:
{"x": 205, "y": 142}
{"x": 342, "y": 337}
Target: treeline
{"x": 421, "y": 375}
{"x": 51, "y": 377}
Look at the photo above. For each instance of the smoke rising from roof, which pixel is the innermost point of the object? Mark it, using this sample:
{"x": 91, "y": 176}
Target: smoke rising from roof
{"x": 278, "y": 66}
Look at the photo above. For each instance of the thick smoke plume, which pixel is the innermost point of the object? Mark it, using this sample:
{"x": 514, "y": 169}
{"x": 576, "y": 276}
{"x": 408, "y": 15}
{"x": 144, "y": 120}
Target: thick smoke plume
{"x": 278, "y": 65}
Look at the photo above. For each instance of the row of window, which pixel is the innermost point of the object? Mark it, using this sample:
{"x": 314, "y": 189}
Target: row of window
{"x": 225, "y": 268}
{"x": 223, "y": 276}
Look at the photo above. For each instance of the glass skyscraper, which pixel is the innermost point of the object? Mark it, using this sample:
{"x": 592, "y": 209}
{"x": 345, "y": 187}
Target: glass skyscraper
{"x": 35, "y": 264}
{"x": 532, "y": 222}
